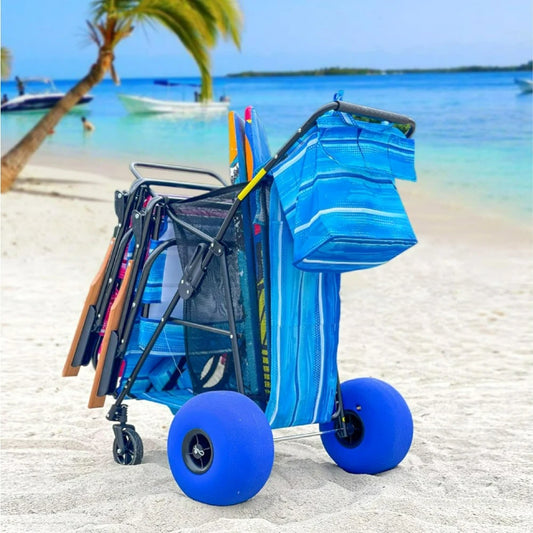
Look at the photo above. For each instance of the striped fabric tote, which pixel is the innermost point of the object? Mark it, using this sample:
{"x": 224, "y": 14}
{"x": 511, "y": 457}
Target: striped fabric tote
{"x": 337, "y": 189}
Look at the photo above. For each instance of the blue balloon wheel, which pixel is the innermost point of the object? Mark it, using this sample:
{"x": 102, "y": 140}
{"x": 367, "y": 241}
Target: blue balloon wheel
{"x": 220, "y": 448}
{"x": 379, "y": 424}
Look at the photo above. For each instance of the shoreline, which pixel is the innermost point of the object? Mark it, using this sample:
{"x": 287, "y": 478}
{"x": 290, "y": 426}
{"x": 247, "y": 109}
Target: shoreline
{"x": 434, "y": 206}
{"x": 112, "y": 168}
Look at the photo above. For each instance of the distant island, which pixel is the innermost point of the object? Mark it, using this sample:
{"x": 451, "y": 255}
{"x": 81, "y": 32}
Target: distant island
{"x": 339, "y": 71}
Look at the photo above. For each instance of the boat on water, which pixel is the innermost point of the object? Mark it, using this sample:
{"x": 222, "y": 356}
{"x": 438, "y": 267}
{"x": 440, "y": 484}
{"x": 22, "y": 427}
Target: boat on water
{"x": 525, "y": 85}
{"x": 148, "y": 104}
{"x": 37, "y": 94}
{"x": 144, "y": 104}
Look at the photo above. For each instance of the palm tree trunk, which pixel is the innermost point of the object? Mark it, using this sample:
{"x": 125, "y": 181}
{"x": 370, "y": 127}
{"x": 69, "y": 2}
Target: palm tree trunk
{"x": 15, "y": 160}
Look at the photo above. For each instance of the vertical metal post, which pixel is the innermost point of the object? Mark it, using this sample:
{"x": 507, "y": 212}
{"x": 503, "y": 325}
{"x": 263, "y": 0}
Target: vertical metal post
{"x": 231, "y": 322}
{"x": 339, "y": 415}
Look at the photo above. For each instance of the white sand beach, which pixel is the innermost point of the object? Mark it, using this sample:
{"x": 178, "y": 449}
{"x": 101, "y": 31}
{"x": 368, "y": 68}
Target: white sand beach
{"x": 449, "y": 324}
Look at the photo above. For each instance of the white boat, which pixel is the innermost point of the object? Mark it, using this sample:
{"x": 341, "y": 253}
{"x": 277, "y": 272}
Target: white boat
{"x": 525, "y": 85}
{"x": 37, "y": 101}
{"x": 144, "y": 104}
{"x": 147, "y": 104}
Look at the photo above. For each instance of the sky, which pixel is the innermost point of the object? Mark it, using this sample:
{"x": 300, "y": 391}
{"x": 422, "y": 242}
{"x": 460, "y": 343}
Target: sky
{"x": 49, "y": 38}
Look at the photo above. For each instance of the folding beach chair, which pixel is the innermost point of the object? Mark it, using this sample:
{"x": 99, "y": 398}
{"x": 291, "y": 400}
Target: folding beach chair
{"x": 105, "y": 285}
{"x": 228, "y": 307}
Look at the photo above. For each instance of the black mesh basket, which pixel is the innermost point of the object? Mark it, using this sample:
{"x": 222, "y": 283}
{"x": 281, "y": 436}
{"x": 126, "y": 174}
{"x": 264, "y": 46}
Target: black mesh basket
{"x": 209, "y": 354}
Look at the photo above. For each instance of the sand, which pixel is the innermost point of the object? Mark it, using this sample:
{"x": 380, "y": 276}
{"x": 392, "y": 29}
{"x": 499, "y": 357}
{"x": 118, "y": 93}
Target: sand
{"x": 449, "y": 324}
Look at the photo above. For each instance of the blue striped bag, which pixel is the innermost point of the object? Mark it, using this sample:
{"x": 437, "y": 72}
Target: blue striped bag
{"x": 338, "y": 193}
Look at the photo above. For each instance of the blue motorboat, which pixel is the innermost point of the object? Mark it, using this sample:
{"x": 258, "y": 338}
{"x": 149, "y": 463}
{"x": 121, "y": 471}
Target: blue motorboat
{"x": 30, "y": 98}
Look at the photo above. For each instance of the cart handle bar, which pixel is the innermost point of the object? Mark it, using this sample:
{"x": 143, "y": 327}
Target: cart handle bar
{"x": 158, "y": 166}
{"x": 345, "y": 107}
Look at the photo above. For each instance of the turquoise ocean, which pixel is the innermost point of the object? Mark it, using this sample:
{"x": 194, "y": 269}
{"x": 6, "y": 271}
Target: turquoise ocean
{"x": 474, "y": 137}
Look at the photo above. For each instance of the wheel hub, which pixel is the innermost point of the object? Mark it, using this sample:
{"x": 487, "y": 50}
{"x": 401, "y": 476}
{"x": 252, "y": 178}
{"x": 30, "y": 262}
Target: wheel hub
{"x": 354, "y": 428}
{"x": 197, "y": 451}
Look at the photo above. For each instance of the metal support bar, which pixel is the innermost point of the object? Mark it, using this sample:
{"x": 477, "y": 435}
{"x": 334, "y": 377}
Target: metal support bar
{"x": 111, "y": 278}
{"x": 303, "y": 435}
{"x": 232, "y": 326}
{"x": 193, "y": 273}
{"x": 141, "y": 245}
{"x": 121, "y": 200}
{"x": 338, "y": 416}
{"x": 209, "y": 329}
{"x": 204, "y": 236}
{"x": 157, "y": 166}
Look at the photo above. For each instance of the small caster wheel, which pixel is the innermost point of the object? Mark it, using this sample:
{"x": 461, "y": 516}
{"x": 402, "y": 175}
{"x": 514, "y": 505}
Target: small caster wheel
{"x": 131, "y": 452}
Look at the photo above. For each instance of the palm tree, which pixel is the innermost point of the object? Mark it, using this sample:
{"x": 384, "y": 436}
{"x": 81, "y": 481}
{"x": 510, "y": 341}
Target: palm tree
{"x": 196, "y": 23}
{"x": 6, "y": 63}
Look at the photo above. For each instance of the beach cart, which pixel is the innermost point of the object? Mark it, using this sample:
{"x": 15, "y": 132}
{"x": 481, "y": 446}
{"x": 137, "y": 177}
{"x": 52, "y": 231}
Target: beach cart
{"x": 222, "y": 301}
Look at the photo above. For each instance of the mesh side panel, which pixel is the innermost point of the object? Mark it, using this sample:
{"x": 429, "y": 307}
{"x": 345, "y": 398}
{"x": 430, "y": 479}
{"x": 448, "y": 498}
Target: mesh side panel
{"x": 209, "y": 355}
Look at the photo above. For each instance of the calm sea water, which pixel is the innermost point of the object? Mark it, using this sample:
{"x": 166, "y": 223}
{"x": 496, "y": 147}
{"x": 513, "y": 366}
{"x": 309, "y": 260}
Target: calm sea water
{"x": 474, "y": 137}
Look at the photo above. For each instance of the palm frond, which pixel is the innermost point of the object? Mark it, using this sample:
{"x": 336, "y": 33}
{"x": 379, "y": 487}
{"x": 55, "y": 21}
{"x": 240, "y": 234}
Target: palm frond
{"x": 93, "y": 34}
{"x": 196, "y": 23}
{"x": 112, "y": 8}
{"x": 225, "y": 16}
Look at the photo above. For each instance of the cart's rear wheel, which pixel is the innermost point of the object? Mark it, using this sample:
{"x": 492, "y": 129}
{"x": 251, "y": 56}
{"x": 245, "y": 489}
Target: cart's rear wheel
{"x": 379, "y": 425}
{"x": 132, "y": 451}
{"x": 220, "y": 448}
